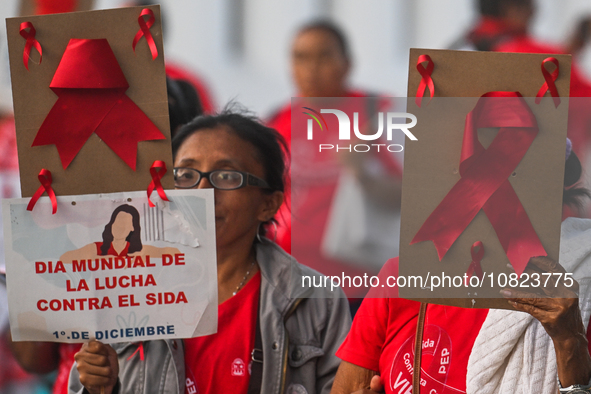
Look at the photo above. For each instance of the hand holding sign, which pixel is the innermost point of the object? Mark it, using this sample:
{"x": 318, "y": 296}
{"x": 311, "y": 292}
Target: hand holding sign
{"x": 98, "y": 367}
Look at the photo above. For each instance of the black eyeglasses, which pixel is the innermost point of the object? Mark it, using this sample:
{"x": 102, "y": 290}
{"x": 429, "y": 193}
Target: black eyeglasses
{"x": 187, "y": 178}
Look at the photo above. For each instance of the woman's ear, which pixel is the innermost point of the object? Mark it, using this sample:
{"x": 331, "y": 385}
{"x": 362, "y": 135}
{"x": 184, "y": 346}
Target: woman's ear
{"x": 272, "y": 203}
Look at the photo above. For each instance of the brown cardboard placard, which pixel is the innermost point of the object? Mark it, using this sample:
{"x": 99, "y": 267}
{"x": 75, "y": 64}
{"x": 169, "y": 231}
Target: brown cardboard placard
{"x": 96, "y": 168}
{"x": 431, "y": 165}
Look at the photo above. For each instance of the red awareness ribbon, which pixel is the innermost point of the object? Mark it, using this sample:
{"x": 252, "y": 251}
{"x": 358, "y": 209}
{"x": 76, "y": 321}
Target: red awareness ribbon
{"x": 484, "y": 181}
{"x": 31, "y": 42}
{"x": 91, "y": 87}
{"x": 140, "y": 348}
{"x": 157, "y": 171}
{"x": 426, "y": 79}
{"x": 46, "y": 180}
{"x": 477, "y": 252}
{"x": 549, "y": 85}
{"x": 145, "y": 31}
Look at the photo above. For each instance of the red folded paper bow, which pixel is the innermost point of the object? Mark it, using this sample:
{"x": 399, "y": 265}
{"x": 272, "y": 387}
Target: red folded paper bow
{"x": 91, "y": 89}
{"x": 484, "y": 183}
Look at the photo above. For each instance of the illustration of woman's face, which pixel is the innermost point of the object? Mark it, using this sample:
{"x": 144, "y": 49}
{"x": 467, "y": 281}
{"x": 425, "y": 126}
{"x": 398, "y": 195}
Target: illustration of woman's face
{"x": 122, "y": 226}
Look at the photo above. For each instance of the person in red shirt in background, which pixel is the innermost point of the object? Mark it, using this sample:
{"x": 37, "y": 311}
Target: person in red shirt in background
{"x": 503, "y": 27}
{"x": 320, "y": 65}
{"x": 12, "y": 377}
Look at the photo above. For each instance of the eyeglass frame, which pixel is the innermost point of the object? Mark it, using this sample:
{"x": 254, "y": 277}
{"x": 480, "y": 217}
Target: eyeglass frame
{"x": 247, "y": 179}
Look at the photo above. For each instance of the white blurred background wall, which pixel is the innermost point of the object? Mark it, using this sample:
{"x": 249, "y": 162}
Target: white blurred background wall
{"x": 241, "y": 47}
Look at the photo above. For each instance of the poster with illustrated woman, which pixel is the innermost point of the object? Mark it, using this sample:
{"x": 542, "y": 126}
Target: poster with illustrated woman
{"x": 111, "y": 267}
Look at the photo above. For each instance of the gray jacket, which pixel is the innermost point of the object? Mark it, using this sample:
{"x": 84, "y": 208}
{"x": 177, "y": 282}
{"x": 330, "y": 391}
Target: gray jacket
{"x": 300, "y": 336}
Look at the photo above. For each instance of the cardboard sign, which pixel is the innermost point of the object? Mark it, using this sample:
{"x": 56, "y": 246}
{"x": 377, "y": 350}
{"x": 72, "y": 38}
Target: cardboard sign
{"x": 108, "y": 58}
{"x": 432, "y": 168}
{"x": 110, "y": 267}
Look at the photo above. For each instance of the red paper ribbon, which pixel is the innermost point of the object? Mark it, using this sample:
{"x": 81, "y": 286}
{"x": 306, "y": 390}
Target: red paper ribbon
{"x": 484, "y": 183}
{"x": 31, "y": 42}
{"x": 91, "y": 89}
{"x": 46, "y": 180}
{"x": 477, "y": 252}
{"x": 426, "y": 79}
{"x": 549, "y": 85}
{"x": 140, "y": 349}
{"x": 157, "y": 171}
{"x": 145, "y": 31}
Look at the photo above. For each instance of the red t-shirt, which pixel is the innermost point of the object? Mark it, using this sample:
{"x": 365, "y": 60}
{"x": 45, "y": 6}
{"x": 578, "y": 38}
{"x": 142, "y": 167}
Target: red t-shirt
{"x": 382, "y": 339}
{"x": 66, "y": 352}
{"x": 315, "y": 198}
{"x": 221, "y": 363}
{"x": 112, "y": 251}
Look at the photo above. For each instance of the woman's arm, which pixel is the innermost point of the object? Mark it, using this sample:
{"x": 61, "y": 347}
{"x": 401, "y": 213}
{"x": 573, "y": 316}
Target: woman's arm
{"x": 154, "y": 251}
{"x": 556, "y": 306}
{"x": 35, "y": 357}
{"x": 354, "y": 379}
{"x": 84, "y": 253}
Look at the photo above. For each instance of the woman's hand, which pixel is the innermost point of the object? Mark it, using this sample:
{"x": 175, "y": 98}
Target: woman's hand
{"x": 556, "y": 305}
{"x": 375, "y": 386}
{"x": 353, "y": 379}
{"x": 98, "y": 367}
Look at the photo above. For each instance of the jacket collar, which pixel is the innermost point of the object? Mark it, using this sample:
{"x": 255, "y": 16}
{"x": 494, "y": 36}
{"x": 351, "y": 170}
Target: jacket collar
{"x": 281, "y": 271}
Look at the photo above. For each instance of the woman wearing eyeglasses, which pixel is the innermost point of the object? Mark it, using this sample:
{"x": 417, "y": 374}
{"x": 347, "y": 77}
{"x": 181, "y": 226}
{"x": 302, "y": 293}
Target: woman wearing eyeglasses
{"x": 272, "y": 338}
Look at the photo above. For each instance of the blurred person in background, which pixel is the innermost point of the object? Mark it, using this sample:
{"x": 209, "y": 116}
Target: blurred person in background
{"x": 13, "y": 379}
{"x": 320, "y": 65}
{"x": 503, "y": 26}
{"x": 183, "y": 103}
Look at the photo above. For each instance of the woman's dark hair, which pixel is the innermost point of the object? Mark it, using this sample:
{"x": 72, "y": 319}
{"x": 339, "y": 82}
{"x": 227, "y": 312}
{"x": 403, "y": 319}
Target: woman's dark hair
{"x": 183, "y": 103}
{"x": 573, "y": 194}
{"x": 134, "y": 237}
{"x": 332, "y": 29}
{"x": 271, "y": 147}
{"x": 495, "y": 8}
{"x": 489, "y": 7}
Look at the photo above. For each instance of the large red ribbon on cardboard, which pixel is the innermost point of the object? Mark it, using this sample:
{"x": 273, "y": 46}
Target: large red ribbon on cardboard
{"x": 484, "y": 183}
{"x": 91, "y": 89}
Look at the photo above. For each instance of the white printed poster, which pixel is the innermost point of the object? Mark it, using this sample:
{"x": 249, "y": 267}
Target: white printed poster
{"x": 111, "y": 267}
